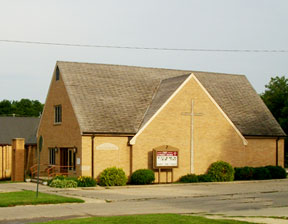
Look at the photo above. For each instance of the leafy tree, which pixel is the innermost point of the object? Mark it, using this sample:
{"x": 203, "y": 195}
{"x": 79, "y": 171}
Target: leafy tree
{"x": 24, "y": 107}
{"x": 276, "y": 99}
{"x": 5, "y": 107}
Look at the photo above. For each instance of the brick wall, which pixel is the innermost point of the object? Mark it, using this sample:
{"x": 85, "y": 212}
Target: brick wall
{"x": 214, "y": 137}
{"x": 64, "y": 135}
{"x": 18, "y": 166}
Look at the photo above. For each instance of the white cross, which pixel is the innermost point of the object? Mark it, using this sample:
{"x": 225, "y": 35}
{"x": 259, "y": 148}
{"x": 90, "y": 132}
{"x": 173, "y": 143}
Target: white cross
{"x": 192, "y": 114}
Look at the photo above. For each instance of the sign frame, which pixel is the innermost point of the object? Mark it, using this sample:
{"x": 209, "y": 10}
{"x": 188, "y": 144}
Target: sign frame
{"x": 164, "y": 149}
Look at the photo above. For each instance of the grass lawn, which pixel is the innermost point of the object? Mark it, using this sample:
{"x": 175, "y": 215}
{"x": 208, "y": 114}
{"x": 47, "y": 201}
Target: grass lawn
{"x": 143, "y": 219}
{"x": 5, "y": 181}
{"x": 29, "y": 198}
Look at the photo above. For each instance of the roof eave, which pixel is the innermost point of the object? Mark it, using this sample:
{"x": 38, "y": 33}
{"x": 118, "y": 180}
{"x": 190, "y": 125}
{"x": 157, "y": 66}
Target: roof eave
{"x": 266, "y": 136}
{"x": 108, "y": 133}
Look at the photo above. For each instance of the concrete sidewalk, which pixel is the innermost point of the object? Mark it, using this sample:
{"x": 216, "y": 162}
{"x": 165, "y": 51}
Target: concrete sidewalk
{"x": 257, "y": 198}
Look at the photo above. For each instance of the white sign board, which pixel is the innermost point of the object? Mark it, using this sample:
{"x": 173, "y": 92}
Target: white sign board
{"x": 166, "y": 159}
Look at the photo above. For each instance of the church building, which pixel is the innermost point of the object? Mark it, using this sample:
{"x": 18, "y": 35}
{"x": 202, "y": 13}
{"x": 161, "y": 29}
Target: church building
{"x": 98, "y": 116}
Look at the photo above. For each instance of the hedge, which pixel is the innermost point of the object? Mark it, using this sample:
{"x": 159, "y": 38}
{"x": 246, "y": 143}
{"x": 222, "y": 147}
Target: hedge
{"x": 260, "y": 173}
{"x": 142, "y": 176}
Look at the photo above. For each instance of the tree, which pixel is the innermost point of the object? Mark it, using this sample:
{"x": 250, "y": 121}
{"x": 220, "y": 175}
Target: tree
{"x": 24, "y": 107}
{"x": 276, "y": 99}
{"x": 5, "y": 107}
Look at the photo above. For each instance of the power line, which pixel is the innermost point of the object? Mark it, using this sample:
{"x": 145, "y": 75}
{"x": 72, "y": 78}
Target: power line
{"x": 147, "y": 48}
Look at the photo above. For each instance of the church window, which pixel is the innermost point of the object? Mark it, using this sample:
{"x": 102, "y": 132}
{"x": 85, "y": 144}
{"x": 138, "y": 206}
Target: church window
{"x": 52, "y": 156}
{"x": 58, "y": 114}
{"x": 57, "y": 74}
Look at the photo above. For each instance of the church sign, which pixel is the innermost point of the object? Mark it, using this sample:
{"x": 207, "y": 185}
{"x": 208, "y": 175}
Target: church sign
{"x": 165, "y": 157}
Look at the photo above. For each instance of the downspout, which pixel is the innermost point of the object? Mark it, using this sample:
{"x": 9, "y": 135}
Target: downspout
{"x": 131, "y": 156}
{"x": 92, "y": 156}
{"x": 277, "y": 140}
{"x": 131, "y": 160}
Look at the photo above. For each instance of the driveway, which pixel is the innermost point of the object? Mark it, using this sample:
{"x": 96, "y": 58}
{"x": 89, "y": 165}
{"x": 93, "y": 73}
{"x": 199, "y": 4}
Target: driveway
{"x": 257, "y": 198}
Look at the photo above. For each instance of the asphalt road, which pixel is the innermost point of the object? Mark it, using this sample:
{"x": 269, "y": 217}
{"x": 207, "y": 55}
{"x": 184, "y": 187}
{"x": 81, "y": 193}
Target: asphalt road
{"x": 261, "y": 198}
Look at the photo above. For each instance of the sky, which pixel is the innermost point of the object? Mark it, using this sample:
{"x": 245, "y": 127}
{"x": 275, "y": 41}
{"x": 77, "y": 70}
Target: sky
{"x": 26, "y": 69}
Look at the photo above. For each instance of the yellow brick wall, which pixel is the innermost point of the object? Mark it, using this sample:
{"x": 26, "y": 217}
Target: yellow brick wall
{"x": 105, "y": 156}
{"x": 214, "y": 137}
{"x": 5, "y": 161}
{"x": 281, "y": 152}
{"x": 262, "y": 152}
{"x": 86, "y": 156}
{"x": 65, "y": 135}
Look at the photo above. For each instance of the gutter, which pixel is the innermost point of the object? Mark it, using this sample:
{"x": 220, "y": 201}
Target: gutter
{"x": 267, "y": 136}
{"x": 107, "y": 134}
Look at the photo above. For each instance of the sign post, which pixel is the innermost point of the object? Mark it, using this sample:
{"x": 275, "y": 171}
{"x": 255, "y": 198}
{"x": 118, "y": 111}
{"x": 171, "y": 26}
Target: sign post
{"x": 40, "y": 143}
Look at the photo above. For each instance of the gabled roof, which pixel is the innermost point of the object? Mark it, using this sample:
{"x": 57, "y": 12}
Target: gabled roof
{"x": 238, "y": 99}
{"x": 18, "y": 127}
{"x": 166, "y": 88}
{"x": 121, "y": 99}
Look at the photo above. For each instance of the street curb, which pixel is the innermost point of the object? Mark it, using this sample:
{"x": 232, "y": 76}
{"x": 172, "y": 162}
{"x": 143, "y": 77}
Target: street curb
{"x": 178, "y": 184}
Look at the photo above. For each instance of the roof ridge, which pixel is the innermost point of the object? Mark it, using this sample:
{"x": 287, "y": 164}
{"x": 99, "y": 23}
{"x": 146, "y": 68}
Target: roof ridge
{"x": 147, "y": 67}
{"x": 151, "y": 101}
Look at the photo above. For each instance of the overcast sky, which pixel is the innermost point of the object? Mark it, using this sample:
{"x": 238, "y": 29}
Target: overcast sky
{"x": 26, "y": 70}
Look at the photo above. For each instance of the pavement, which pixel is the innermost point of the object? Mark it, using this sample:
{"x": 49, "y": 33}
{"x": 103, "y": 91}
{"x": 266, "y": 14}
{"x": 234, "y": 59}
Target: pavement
{"x": 253, "y": 201}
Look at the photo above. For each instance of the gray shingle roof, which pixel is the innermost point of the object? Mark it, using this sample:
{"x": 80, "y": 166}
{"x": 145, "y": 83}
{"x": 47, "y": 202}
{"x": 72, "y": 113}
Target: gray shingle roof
{"x": 18, "y": 127}
{"x": 238, "y": 99}
{"x": 166, "y": 88}
{"x": 121, "y": 99}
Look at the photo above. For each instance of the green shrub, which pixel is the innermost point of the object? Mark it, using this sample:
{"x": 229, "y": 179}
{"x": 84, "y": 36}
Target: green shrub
{"x": 189, "y": 178}
{"x": 63, "y": 183}
{"x": 58, "y": 177}
{"x": 243, "y": 173}
{"x": 221, "y": 171}
{"x": 71, "y": 178}
{"x": 261, "y": 173}
{"x": 112, "y": 177}
{"x": 142, "y": 176}
{"x": 204, "y": 178}
{"x": 277, "y": 172}
{"x": 86, "y": 182}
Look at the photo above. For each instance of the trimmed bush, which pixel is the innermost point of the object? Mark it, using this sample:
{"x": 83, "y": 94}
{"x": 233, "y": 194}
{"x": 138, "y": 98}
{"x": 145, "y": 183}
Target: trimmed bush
{"x": 142, "y": 176}
{"x": 86, "y": 182}
{"x": 189, "y": 178}
{"x": 221, "y": 171}
{"x": 63, "y": 183}
{"x": 261, "y": 173}
{"x": 277, "y": 172}
{"x": 81, "y": 181}
{"x": 204, "y": 178}
{"x": 244, "y": 173}
{"x": 113, "y": 177}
